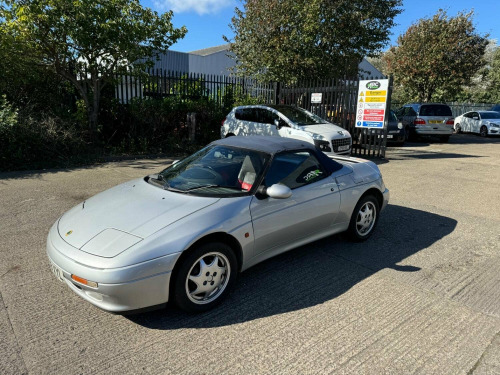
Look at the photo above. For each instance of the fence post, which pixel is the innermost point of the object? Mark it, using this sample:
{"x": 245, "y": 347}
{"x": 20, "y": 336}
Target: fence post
{"x": 387, "y": 115}
{"x": 191, "y": 123}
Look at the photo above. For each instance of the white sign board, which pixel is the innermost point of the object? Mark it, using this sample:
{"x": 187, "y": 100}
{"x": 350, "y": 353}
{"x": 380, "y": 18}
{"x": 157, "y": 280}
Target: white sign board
{"x": 316, "y": 97}
{"x": 372, "y": 101}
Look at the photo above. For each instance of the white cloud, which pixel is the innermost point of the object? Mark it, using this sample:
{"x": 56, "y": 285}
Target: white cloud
{"x": 198, "y": 6}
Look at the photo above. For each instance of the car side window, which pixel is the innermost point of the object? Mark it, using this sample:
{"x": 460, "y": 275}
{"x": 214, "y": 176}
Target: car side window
{"x": 475, "y": 115}
{"x": 294, "y": 169}
{"x": 410, "y": 112}
{"x": 265, "y": 116}
{"x": 468, "y": 115}
{"x": 247, "y": 114}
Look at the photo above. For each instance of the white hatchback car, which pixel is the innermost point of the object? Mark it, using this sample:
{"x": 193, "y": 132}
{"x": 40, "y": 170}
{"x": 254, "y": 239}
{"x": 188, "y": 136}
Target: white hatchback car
{"x": 290, "y": 122}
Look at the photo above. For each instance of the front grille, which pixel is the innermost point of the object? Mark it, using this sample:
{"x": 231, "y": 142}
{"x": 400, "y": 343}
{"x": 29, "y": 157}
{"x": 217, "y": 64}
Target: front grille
{"x": 340, "y": 142}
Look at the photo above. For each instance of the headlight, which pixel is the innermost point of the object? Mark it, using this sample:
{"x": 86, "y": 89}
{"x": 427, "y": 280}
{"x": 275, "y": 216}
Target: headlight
{"x": 323, "y": 145}
{"x": 494, "y": 125}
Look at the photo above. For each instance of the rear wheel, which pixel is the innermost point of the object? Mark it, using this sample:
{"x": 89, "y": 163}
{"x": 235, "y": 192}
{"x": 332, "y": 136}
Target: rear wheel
{"x": 458, "y": 129}
{"x": 205, "y": 277}
{"x": 483, "y": 132}
{"x": 230, "y": 135}
{"x": 364, "y": 219}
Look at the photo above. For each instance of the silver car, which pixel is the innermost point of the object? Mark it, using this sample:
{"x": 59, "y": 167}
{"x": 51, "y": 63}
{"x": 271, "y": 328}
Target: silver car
{"x": 184, "y": 234}
{"x": 426, "y": 119}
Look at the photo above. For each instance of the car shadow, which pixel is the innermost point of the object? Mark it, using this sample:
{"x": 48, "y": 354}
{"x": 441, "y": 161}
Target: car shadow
{"x": 314, "y": 273}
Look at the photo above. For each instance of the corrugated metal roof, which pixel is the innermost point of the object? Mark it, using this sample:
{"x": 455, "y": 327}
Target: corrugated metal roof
{"x": 211, "y": 50}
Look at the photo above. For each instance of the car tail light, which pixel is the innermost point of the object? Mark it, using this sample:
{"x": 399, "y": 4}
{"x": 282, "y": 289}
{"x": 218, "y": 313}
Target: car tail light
{"x": 223, "y": 121}
{"x": 419, "y": 121}
{"x": 450, "y": 121}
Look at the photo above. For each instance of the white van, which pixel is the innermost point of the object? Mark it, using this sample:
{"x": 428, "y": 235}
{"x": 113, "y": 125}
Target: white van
{"x": 287, "y": 121}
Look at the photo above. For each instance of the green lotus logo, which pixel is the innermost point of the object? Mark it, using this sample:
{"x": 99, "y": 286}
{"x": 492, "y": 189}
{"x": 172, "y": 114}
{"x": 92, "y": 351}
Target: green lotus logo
{"x": 373, "y": 85}
{"x": 68, "y": 233}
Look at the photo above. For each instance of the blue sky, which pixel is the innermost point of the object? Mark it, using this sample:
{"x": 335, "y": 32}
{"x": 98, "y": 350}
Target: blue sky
{"x": 208, "y": 20}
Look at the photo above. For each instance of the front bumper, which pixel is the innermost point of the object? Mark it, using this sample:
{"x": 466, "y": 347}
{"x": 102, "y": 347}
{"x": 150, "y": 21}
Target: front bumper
{"x": 119, "y": 289}
{"x": 386, "y": 195}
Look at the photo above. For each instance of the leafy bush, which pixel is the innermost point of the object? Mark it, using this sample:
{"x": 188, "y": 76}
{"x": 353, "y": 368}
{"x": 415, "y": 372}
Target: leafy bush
{"x": 29, "y": 143}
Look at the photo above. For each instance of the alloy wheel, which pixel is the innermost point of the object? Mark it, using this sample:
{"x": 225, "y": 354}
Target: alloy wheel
{"x": 365, "y": 219}
{"x": 207, "y": 278}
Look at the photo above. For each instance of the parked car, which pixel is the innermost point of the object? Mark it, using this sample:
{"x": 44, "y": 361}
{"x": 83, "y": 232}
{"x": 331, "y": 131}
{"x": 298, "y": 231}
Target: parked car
{"x": 289, "y": 122}
{"x": 395, "y": 131}
{"x": 185, "y": 233}
{"x": 495, "y": 108}
{"x": 426, "y": 119}
{"x": 482, "y": 122}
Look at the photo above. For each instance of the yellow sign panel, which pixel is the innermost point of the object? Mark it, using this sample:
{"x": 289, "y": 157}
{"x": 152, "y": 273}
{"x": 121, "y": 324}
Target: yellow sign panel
{"x": 375, "y": 99}
{"x": 376, "y": 93}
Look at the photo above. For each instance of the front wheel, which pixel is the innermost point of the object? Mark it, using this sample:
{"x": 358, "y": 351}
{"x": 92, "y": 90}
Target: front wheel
{"x": 363, "y": 219}
{"x": 205, "y": 277}
{"x": 483, "y": 131}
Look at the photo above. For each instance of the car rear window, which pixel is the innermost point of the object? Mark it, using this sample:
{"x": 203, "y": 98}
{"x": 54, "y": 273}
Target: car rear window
{"x": 435, "y": 110}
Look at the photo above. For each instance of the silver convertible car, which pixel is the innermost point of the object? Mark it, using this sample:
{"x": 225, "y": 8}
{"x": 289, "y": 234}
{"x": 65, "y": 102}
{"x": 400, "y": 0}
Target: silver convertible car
{"x": 184, "y": 234}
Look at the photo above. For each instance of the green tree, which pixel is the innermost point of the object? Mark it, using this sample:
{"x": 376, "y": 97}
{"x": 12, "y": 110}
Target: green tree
{"x": 87, "y": 41}
{"x": 436, "y": 57}
{"x": 494, "y": 78}
{"x": 287, "y": 40}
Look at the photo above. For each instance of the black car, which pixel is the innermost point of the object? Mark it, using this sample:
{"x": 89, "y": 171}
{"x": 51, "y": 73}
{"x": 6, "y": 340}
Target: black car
{"x": 395, "y": 130}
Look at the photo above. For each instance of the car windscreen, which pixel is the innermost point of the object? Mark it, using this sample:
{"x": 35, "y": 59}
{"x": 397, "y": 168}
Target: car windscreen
{"x": 435, "y": 110}
{"x": 490, "y": 115}
{"x": 215, "y": 171}
{"x": 299, "y": 116}
{"x": 392, "y": 116}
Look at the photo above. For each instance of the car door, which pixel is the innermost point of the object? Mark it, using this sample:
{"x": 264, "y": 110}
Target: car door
{"x": 464, "y": 122}
{"x": 475, "y": 122}
{"x": 312, "y": 208}
{"x": 264, "y": 122}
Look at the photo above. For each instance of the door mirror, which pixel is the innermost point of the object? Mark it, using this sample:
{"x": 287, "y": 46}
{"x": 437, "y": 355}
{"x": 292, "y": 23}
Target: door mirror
{"x": 476, "y": 118}
{"x": 279, "y": 191}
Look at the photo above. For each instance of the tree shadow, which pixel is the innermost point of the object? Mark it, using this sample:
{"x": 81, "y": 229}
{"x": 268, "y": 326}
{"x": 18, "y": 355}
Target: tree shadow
{"x": 156, "y": 163}
{"x": 314, "y": 273}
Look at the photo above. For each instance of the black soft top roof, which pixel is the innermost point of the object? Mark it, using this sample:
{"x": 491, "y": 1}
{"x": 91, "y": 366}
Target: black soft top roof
{"x": 275, "y": 145}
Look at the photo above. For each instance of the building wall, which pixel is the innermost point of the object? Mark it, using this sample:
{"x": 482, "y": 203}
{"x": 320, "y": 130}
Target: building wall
{"x": 219, "y": 63}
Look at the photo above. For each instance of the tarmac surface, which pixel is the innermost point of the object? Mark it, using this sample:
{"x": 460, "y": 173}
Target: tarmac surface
{"x": 422, "y": 296}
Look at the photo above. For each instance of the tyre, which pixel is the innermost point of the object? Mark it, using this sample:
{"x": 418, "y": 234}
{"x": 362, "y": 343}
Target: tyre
{"x": 364, "y": 219}
{"x": 205, "y": 277}
{"x": 483, "y": 132}
{"x": 444, "y": 139}
{"x": 458, "y": 129}
{"x": 230, "y": 135}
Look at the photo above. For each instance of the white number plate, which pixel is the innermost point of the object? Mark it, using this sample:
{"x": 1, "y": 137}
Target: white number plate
{"x": 390, "y": 136}
{"x": 57, "y": 271}
{"x": 343, "y": 148}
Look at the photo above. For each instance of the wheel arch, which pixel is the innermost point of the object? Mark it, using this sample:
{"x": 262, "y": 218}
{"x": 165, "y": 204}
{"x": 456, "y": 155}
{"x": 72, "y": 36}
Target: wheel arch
{"x": 214, "y": 237}
{"x": 376, "y": 193}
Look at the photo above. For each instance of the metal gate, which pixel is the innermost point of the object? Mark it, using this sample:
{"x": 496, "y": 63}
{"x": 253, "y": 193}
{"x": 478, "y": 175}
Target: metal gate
{"x": 338, "y": 105}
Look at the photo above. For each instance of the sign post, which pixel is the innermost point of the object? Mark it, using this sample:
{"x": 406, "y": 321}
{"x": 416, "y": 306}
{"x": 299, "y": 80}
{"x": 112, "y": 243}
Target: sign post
{"x": 372, "y": 102}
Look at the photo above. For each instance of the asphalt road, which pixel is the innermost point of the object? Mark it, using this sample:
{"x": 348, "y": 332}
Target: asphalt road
{"x": 422, "y": 296}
